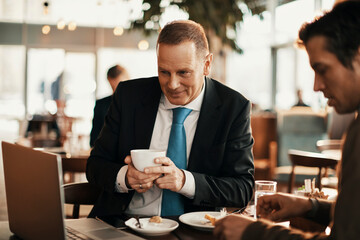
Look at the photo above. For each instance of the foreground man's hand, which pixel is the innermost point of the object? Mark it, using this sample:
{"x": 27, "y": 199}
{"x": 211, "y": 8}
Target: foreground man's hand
{"x": 173, "y": 178}
{"x": 232, "y": 227}
{"x": 281, "y": 206}
{"x": 137, "y": 180}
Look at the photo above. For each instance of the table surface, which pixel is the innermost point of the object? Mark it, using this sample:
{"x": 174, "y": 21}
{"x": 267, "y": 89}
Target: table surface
{"x": 183, "y": 232}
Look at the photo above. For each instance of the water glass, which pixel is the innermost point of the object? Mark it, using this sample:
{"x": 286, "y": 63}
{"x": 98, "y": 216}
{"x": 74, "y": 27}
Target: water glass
{"x": 263, "y": 188}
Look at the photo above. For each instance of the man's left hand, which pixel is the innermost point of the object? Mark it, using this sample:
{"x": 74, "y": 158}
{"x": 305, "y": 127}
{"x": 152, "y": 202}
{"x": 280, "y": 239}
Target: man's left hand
{"x": 173, "y": 178}
{"x": 232, "y": 227}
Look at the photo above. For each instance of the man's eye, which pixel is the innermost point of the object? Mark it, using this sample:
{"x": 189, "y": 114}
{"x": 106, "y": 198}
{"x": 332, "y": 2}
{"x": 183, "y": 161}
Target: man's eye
{"x": 164, "y": 72}
{"x": 183, "y": 72}
{"x": 321, "y": 71}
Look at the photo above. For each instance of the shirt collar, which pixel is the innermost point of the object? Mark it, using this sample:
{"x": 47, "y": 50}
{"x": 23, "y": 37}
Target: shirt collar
{"x": 195, "y": 104}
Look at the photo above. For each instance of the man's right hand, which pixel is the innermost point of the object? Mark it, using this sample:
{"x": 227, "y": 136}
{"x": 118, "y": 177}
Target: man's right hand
{"x": 281, "y": 207}
{"x": 139, "y": 181}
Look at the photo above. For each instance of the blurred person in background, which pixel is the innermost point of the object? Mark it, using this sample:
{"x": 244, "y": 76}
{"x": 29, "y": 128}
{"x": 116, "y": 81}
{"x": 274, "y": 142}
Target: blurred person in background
{"x": 115, "y": 75}
{"x": 300, "y": 102}
{"x": 333, "y": 45}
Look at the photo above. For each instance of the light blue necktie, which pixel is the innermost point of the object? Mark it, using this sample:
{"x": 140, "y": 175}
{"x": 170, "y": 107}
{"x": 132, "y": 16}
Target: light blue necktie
{"x": 172, "y": 202}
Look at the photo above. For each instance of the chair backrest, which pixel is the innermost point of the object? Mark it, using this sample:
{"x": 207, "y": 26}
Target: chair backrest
{"x": 329, "y": 144}
{"x": 78, "y": 194}
{"x": 309, "y": 159}
{"x": 264, "y": 132}
{"x": 299, "y": 130}
{"x": 72, "y": 165}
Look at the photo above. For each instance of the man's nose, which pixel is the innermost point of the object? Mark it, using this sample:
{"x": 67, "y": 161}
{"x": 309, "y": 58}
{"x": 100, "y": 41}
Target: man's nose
{"x": 174, "y": 82}
{"x": 318, "y": 83}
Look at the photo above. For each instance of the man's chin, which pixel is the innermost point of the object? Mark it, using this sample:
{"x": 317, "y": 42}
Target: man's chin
{"x": 342, "y": 110}
{"x": 177, "y": 101}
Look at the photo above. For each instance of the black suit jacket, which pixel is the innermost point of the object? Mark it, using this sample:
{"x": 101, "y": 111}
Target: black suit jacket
{"x": 101, "y": 107}
{"x": 220, "y": 159}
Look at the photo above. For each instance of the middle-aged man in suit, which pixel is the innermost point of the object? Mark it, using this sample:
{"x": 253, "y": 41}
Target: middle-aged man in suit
{"x": 333, "y": 45}
{"x": 218, "y": 163}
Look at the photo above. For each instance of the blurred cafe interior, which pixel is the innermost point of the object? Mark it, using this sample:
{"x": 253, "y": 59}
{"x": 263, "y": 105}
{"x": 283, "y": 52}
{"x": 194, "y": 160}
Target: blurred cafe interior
{"x": 54, "y": 56}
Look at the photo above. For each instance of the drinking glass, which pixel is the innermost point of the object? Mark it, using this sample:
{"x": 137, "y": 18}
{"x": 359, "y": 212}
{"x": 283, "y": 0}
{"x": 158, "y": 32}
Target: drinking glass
{"x": 263, "y": 188}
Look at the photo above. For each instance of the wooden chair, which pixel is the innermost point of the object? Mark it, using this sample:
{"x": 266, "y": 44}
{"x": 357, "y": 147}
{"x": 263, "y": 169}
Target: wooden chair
{"x": 80, "y": 194}
{"x": 309, "y": 159}
{"x": 329, "y": 144}
{"x": 265, "y": 147}
{"x": 332, "y": 148}
{"x": 72, "y": 165}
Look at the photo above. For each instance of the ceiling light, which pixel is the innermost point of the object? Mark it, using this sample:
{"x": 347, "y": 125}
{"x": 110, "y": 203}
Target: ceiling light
{"x": 143, "y": 45}
{"x": 45, "y": 29}
{"x": 72, "y": 26}
{"x": 149, "y": 25}
{"x": 118, "y": 31}
{"x": 146, "y": 6}
{"x": 61, "y": 24}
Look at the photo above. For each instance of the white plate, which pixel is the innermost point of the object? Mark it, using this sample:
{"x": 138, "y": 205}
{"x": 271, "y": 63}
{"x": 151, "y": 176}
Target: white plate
{"x": 197, "y": 220}
{"x": 152, "y": 229}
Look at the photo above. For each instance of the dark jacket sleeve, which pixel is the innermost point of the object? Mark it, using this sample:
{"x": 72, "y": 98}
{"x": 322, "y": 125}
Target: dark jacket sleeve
{"x": 114, "y": 143}
{"x": 264, "y": 230}
{"x": 323, "y": 214}
{"x": 103, "y": 163}
{"x": 347, "y": 211}
{"x": 224, "y": 168}
{"x": 346, "y": 214}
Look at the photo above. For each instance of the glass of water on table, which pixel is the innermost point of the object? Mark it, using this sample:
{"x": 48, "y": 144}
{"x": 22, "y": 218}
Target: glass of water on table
{"x": 262, "y": 188}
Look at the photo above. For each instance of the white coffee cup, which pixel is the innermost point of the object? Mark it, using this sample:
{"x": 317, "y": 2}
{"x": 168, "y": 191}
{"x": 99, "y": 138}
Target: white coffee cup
{"x": 143, "y": 158}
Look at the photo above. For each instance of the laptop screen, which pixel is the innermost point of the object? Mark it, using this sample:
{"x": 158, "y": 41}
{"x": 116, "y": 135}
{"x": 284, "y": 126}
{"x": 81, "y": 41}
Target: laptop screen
{"x": 35, "y": 201}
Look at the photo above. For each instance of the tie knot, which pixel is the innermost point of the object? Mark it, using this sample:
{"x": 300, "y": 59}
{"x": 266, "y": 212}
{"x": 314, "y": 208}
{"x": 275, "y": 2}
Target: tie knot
{"x": 180, "y": 114}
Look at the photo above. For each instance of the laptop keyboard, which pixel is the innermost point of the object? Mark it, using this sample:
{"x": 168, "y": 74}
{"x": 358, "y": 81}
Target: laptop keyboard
{"x": 72, "y": 234}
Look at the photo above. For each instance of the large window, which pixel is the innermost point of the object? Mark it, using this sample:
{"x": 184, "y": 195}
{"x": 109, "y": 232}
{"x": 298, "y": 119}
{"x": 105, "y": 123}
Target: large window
{"x": 12, "y": 109}
{"x": 79, "y": 89}
{"x": 45, "y": 69}
{"x": 250, "y": 73}
{"x": 64, "y": 83}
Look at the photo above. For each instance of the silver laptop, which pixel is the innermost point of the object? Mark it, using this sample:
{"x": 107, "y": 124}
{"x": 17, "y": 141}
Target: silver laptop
{"x": 35, "y": 199}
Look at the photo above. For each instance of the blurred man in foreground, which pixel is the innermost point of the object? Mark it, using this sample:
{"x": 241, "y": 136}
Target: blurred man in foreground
{"x": 214, "y": 163}
{"x": 333, "y": 45}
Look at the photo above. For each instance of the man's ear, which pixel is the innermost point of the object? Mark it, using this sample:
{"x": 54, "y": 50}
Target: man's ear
{"x": 356, "y": 63}
{"x": 357, "y": 57}
{"x": 207, "y": 65}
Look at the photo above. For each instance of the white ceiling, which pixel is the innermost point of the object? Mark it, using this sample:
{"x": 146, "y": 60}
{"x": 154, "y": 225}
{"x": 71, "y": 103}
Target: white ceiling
{"x": 94, "y": 13}
{"x": 105, "y": 13}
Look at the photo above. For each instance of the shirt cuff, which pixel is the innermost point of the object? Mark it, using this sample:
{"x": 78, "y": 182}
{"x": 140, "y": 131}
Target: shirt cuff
{"x": 120, "y": 185}
{"x": 188, "y": 190}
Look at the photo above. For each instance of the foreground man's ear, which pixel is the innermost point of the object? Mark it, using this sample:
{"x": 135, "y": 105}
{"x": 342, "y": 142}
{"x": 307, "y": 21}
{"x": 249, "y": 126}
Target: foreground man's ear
{"x": 207, "y": 66}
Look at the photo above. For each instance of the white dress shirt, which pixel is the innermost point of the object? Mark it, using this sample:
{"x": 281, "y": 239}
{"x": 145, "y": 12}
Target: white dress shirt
{"x": 149, "y": 203}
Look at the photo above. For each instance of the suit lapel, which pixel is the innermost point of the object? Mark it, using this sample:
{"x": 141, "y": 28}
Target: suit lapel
{"x": 207, "y": 125}
{"x": 145, "y": 116}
